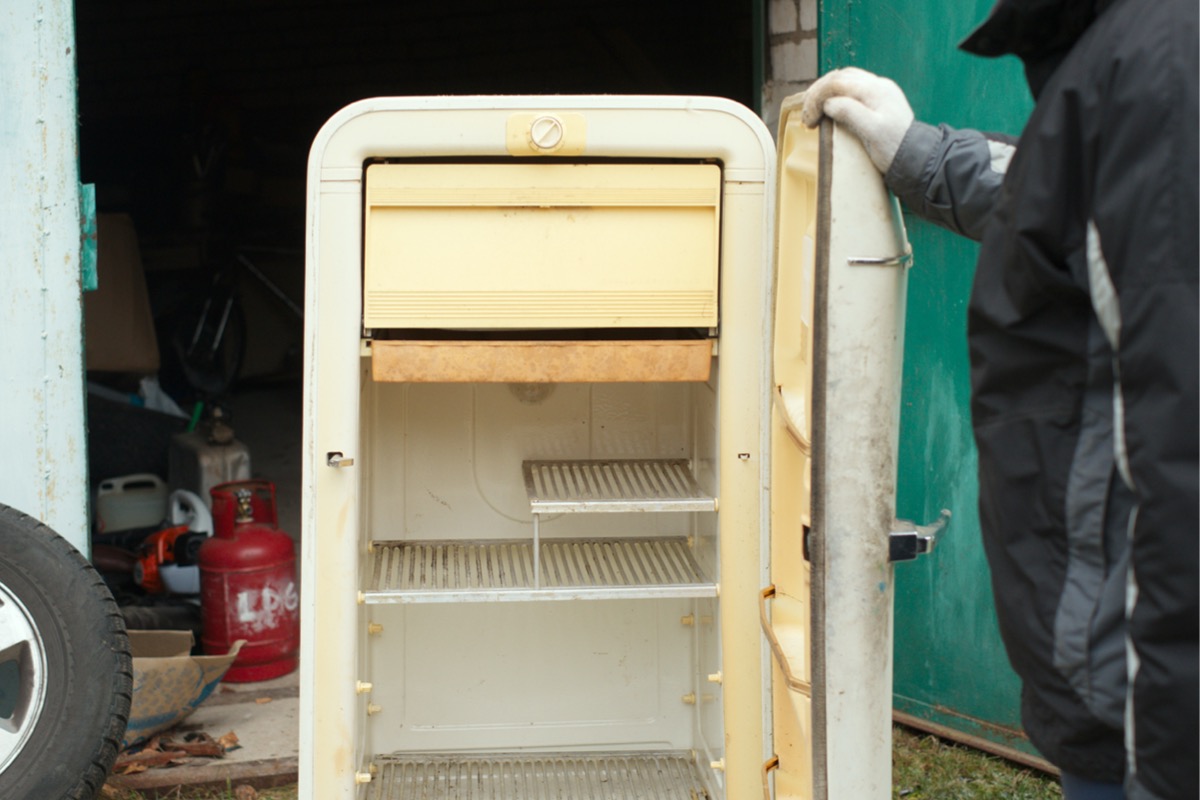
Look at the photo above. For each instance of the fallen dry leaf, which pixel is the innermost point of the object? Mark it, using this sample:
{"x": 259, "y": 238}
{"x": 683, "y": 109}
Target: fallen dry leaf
{"x": 196, "y": 744}
{"x": 164, "y": 751}
{"x": 262, "y": 700}
{"x": 229, "y": 741}
{"x": 129, "y": 764}
{"x": 245, "y": 792}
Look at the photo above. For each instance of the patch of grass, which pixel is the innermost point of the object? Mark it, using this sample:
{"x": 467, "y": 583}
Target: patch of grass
{"x": 927, "y": 768}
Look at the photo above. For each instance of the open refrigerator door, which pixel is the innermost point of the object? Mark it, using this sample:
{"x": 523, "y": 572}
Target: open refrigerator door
{"x": 840, "y": 267}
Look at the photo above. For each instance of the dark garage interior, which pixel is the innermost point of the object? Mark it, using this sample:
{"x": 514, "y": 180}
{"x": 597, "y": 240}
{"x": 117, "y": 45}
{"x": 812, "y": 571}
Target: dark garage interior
{"x": 196, "y": 118}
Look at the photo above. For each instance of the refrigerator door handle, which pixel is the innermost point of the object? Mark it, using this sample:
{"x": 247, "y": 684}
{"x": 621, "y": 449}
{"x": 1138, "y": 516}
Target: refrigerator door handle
{"x": 785, "y": 666}
{"x": 906, "y": 541}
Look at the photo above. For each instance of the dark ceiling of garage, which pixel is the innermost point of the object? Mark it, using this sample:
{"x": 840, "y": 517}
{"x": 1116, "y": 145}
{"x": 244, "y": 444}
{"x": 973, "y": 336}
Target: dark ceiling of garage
{"x": 190, "y": 92}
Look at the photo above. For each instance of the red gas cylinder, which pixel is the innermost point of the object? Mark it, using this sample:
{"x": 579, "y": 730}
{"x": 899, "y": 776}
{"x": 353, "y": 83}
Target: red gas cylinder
{"x": 248, "y": 583}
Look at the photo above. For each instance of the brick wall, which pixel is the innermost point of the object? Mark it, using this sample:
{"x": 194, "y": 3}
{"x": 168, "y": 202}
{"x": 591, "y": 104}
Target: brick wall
{"x": 792, "y": 42}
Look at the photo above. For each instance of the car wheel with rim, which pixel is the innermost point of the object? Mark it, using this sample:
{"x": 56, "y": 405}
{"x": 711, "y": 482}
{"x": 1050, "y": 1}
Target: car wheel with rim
{"x": 65, "y": 667}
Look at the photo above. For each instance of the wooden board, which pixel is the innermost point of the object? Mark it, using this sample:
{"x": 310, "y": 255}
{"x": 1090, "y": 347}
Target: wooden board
{"x": 409, "y": 361}
{"x": 266, "y": 774}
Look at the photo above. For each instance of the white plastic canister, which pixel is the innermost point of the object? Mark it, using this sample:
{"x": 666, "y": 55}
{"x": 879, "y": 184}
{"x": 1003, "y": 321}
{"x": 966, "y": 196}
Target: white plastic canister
{"x": 130, "y": 501}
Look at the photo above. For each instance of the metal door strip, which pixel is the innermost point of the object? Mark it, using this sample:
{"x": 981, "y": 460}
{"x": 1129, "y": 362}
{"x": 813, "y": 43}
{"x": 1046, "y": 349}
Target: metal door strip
{"x": 574, "y": 776}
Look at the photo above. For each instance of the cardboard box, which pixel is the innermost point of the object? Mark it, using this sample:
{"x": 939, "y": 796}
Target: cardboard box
{"x": 168, "y": 682}
{"x": 118, "y": 323}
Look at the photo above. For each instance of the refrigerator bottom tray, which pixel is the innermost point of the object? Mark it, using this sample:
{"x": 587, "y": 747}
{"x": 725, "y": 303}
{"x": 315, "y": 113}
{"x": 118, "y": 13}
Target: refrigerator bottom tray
{"x": 563, "y": 776}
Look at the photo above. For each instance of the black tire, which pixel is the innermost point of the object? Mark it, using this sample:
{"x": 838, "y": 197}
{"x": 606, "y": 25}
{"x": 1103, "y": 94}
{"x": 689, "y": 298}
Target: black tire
{"x": 66, "y": 673}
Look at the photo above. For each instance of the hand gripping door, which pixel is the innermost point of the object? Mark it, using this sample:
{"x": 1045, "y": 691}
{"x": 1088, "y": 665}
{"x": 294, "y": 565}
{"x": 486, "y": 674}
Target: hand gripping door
{"x": 841, "y": 260}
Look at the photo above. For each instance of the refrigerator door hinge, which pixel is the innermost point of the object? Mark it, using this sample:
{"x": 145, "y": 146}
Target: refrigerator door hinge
{"x": 906, "y": 540}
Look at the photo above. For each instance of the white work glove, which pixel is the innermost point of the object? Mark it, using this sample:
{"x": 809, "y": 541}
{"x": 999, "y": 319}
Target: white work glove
{"x": 873, "y": 108}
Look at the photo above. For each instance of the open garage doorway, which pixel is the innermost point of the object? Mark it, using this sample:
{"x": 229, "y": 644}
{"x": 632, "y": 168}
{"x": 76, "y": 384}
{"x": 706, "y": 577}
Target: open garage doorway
{"x": 196, "y": 118}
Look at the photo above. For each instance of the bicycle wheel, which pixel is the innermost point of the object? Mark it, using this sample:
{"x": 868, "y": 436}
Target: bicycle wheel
{"x": 210, "y": 343}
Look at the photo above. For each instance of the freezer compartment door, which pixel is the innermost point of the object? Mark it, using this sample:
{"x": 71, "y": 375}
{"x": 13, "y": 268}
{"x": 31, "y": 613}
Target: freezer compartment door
{"x": 541, "y": 245}
{"x": 841, "y": 263}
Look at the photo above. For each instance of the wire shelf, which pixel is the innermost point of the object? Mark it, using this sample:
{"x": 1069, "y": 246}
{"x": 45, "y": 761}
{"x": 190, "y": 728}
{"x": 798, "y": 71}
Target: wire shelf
{"x": 563, "y": 776}
{"x": 556, "y": 487}
{"x": 568, "y": 569}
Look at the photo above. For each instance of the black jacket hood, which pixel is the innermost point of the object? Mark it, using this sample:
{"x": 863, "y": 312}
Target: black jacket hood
{"x": 1039, "y": 32}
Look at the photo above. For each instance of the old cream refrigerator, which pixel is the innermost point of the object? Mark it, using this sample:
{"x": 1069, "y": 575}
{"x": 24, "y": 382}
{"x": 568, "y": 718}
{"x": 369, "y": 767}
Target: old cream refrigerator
{"x": 599, "y": 433}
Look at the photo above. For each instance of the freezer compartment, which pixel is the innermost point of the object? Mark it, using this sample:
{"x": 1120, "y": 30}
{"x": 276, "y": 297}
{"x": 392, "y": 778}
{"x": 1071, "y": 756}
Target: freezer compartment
{"x": 505, "y": 776}
{"x": 541, "y": 245}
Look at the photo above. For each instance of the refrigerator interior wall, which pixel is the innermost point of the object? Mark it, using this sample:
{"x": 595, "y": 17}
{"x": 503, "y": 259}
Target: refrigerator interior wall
{"x": 471, "y": 657}
{"x": 605, "y": 675}
{"x": 446, "y": 458}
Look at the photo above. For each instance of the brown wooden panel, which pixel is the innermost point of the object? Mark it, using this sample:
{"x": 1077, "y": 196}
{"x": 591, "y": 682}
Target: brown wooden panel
{"x": 540, "y": 361}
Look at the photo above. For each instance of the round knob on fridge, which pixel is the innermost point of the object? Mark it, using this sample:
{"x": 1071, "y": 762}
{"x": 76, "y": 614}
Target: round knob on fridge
{"x": 546, "y": 132}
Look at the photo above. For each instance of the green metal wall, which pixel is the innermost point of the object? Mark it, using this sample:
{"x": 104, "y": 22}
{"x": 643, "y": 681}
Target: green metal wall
{"x": 950, "y": 666}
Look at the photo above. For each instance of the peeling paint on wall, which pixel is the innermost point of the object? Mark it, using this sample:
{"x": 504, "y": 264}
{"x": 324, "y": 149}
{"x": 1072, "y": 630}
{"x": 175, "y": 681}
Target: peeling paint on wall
{"x": 44, "y": 472}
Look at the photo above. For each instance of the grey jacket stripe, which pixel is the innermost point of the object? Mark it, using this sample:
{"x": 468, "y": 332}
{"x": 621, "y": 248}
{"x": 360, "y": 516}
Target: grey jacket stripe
{"x": 1132, "y": 663}
{"x": 1104, "y": 295}
{"x": 1088, "y": 633}
{"x": 1108, "y": 312}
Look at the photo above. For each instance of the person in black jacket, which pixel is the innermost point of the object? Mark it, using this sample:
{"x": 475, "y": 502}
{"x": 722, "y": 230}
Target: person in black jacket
{"x": 1083, "y": 334}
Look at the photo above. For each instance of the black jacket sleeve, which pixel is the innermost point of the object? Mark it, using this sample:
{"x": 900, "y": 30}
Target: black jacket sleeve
{"x": 950, "y": 177}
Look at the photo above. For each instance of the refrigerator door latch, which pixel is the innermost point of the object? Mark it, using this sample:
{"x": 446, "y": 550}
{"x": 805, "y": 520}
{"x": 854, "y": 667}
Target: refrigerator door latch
{"x": 907, "y": 540}
{"x": 337, "y": 459}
